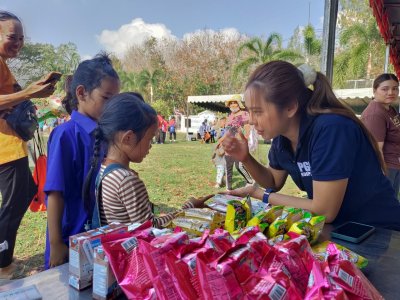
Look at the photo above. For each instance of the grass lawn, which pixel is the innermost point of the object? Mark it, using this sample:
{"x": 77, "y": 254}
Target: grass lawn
{"x": 171, "y": 172}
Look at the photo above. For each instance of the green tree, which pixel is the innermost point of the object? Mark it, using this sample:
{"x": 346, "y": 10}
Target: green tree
{"x": 36, "y": 60}
{"x": 312, "y": 45}
{"x": 129, "y": 81}
{"x": 150, "y": 80}
{"x": 362, "y": 52}
{"x": 262, "y": 52}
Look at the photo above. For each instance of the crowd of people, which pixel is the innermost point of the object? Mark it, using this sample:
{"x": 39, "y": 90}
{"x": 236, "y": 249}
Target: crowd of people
{"x": 344, "y": 164}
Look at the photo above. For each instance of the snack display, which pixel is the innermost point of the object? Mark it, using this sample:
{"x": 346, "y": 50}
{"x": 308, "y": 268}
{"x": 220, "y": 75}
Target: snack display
{"x": 267, "y": 255}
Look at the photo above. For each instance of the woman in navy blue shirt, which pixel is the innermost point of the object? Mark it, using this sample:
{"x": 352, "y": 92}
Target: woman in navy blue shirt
{"x": 320, "y": 143}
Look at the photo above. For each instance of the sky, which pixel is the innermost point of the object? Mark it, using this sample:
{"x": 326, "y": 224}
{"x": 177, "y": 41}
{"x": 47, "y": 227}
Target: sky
{"x": 114, "y": 25}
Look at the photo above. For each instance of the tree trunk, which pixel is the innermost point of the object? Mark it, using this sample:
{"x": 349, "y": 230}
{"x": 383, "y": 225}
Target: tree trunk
{"x": 369, "y": 65}
{"x": 151, "y": 93}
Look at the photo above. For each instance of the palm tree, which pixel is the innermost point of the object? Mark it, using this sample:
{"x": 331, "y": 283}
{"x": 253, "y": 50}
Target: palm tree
{"x": 151, "y": 79}
{"x": 129, "y": 81}
{"x": 312, "y": 45}
{"x": 361, "y": 42}
{"x": 262, "y": 52}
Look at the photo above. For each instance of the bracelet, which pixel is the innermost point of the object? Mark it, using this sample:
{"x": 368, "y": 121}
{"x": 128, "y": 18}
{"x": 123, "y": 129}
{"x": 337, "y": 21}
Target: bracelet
{"x": 266, "y": 195}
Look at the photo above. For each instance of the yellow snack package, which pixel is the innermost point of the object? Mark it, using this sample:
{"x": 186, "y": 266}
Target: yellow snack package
{"x": 190, "y": 225}
{"x": 238, "y": 213}
{"x": 257, "y": 219}
{"x": 320, "y": 252}
{"x": 302, "y": 227}
{"x": 311, "y": 229}
{"x": 216, "y": 218}
{"x": 277, "y": 227}
{"x": 292, "y": 215}
{"x": 272, "y": 213}
{"x": 318, "y": 223}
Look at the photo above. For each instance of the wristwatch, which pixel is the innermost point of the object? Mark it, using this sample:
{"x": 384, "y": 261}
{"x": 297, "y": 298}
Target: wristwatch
{"x": 266, "y": 194}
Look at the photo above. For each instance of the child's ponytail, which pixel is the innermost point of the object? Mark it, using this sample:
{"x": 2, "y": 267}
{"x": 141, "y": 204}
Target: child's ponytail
{"x": 98, "y": 138}
{"x": 69, "y": 102}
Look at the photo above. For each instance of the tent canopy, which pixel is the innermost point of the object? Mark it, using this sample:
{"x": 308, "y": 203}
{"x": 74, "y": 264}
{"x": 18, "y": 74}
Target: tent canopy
{"x": 357, "y": 99}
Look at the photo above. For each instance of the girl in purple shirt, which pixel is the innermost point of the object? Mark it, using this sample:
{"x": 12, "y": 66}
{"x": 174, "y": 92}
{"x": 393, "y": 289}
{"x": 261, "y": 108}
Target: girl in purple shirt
{"x": 69, "y": 155}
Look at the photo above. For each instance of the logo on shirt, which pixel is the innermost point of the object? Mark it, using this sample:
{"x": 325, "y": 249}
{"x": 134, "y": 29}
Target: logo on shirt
{"x": 395, "y": 121}
{"x": 305, "y": 168}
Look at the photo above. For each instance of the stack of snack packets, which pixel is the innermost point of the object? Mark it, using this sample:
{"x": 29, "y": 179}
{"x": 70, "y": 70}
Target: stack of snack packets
{"x": 220, "y": 202}
{"x": 196, "y": 221}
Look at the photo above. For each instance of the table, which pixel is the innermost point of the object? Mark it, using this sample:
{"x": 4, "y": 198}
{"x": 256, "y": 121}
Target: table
{"x": 51, "y": 284}
{"x": 382, "y": 249}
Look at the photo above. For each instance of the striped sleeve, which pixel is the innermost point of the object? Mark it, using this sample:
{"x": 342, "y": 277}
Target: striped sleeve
{"x": 125, "y": 200}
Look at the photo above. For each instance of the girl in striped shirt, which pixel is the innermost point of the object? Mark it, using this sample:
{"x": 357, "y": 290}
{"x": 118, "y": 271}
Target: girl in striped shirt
{"x": 127, "y": 126}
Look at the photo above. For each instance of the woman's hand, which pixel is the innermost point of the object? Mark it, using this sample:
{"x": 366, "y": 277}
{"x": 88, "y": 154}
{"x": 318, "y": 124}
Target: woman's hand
{"x": 199, "y": 202}
{"x": 243, "y": 191}
{"x": 235, "y": 147}
{"x": 58, "y": 254}
{"x": 39, "y": 89}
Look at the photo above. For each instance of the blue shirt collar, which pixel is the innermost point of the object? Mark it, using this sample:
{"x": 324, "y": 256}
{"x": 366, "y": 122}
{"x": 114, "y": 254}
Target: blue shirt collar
{"x": 85, "y": 122}
{"x": 306, "y": 121}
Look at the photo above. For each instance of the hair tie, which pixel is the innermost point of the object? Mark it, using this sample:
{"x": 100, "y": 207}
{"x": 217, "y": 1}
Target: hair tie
{"x": 309, "y": 74}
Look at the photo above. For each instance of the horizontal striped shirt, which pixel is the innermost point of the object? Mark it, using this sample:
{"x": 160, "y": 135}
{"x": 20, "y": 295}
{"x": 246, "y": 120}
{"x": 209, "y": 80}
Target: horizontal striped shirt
{"x": 124, "y": 199}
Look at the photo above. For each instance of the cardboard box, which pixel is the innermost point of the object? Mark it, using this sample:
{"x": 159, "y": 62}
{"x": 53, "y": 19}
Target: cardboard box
{"x": 105, "y": 286}
{"x": 81, "y": 253}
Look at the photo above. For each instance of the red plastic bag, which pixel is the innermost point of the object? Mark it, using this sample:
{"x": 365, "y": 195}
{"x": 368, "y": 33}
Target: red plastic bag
{"x": 39, "y": 176}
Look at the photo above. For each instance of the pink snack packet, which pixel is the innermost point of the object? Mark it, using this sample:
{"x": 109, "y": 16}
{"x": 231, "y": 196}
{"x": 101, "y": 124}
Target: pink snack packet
{"x": 272, "y": 281}
{"x": 345, "y": 274}
{"x": 213, "y": 285}
{"x": 174, "y": 242}
{"x": 320, "y": 285}
{"x": 298, "y": 258}
{"x": 128, "y": 266}
{"x": 221, "y": 241}
{"x": 191, "y": 261}
{"x": 154, "y": 261}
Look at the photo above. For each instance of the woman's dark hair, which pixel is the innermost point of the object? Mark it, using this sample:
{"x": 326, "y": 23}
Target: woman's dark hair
{"x": 89, "y": 73}
{"x": 123, "y": 112}
{"x": 5, "y": 16}
{"x": 281, "y": 83}
{"x": 384, "y": 77}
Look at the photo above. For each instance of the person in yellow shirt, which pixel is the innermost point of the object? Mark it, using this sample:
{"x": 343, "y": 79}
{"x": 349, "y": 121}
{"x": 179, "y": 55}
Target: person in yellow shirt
{"x": 16, "y": 183}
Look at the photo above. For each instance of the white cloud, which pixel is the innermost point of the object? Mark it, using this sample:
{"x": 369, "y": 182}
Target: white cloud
{"x": 228, "y": 33}
{"x": 134, "y": 33}
{"x": 86, "y": 57}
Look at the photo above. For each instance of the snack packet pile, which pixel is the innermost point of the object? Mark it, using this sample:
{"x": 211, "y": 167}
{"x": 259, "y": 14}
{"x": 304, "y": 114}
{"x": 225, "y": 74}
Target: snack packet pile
{"x": 172, "y": 265}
